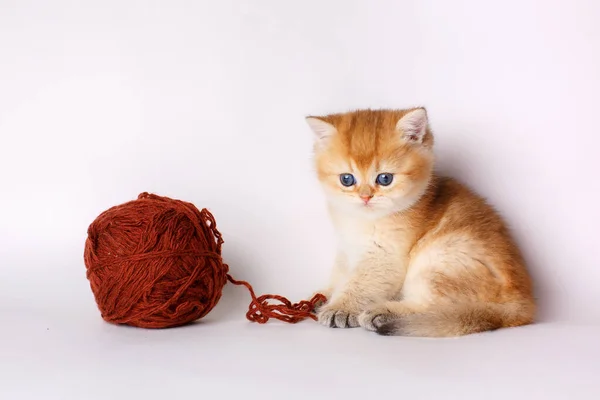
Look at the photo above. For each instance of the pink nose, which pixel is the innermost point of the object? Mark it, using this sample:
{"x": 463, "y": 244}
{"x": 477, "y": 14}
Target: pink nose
{"x": 366, "y": 198}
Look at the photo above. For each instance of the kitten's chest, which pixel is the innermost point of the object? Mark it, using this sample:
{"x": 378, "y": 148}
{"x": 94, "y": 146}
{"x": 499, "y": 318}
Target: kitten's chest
{"x": 354, "y": 242}
{"x": 359, "y": 240}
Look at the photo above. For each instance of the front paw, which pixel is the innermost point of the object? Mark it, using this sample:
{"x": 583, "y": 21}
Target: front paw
{"x": 334, "y": 317}
{"x": 375, "y": 317}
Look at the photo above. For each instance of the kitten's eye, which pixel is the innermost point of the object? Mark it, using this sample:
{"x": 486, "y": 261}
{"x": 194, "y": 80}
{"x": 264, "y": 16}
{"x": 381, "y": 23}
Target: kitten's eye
{"x": 384, "y": 179}
{"x": 347, "y": 179}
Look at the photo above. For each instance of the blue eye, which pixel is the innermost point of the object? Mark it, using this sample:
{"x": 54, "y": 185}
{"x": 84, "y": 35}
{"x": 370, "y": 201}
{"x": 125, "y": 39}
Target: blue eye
{"x": 347, "y": 179}
{"x": 384, "y": 179}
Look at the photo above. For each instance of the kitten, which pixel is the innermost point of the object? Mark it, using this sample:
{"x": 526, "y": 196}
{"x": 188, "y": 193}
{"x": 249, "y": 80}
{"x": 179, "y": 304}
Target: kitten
{"x": 419, "y": 254}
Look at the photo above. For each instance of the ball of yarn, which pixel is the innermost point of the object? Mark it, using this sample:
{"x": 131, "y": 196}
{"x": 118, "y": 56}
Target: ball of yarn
{"x": 154, "y": 262}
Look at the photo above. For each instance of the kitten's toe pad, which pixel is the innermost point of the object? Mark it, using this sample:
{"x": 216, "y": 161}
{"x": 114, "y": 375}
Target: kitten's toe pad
{"x": 338, "y": 318}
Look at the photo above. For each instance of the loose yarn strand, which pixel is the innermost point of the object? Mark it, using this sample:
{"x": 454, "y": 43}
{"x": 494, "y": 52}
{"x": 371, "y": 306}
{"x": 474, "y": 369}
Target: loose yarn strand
{"x": 261, "y": 311}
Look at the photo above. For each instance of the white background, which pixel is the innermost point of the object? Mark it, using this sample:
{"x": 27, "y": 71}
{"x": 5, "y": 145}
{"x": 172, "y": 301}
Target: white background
{"x": 205, "y": 101}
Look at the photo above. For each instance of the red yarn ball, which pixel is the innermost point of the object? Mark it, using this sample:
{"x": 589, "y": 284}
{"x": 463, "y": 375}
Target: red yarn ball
{"x": 154, "y": 262}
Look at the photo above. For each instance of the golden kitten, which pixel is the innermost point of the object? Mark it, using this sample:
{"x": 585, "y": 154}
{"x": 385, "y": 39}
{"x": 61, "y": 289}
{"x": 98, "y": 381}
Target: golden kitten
{"x": 418, "y": 254}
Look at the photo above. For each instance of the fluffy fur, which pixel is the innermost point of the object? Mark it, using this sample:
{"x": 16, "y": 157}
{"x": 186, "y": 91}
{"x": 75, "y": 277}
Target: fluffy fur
{"x": 423, "y": 256}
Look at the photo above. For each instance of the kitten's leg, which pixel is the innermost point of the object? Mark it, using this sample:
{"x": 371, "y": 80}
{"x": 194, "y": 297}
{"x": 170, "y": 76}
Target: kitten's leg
{"x": 369, "y": 284}
{"x": 336, "y": 276}
{"x": 374, "y": 317}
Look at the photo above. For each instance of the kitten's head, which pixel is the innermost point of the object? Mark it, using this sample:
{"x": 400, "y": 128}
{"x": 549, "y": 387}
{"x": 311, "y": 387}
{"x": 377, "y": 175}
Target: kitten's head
{"x": 373, "y": 162}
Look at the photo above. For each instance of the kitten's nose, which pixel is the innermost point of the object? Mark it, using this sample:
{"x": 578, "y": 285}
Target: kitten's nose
{"x": 366, "y": 197}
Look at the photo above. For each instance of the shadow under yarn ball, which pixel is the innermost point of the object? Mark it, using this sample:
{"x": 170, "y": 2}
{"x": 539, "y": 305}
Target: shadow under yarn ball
{"x": 155, "y": 262}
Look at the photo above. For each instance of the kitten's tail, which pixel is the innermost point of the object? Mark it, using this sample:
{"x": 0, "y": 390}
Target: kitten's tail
{"x": 460, "y": 319}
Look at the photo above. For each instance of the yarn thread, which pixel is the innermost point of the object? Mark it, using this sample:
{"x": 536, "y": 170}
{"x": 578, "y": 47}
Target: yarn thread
{"x": 156, "y": 262}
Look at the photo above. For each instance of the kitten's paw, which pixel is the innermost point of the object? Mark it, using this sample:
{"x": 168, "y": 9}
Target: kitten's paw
{"x": 337, "y": 318}
{"x": 374, "y": 318}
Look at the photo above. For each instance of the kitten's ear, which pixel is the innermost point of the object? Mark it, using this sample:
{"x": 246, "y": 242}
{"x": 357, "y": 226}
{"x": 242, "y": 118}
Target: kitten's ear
{"x": 413, "y": 125}
{"x": 322, "y": 130}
